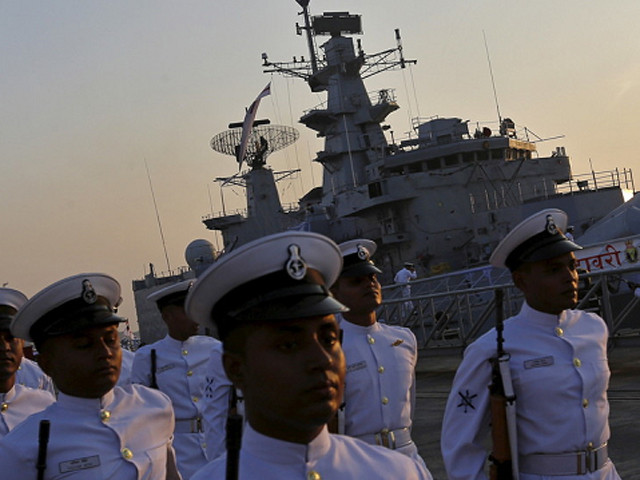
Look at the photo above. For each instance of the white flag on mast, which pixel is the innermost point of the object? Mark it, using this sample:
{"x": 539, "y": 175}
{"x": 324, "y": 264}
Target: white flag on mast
{"x": 247, "y": 125}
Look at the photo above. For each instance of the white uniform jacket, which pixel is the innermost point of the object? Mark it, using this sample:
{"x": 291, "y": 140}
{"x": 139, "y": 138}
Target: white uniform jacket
{"x": 380, "y": 382}
{"x": 216, "y": 403}
{"x": 560, "y": 376}
{"x": 124, "y": 435}
{"x": 125, "y": 369}
{"x": 180, "y": 374}
{"x": 30, "y": 375}
{"x": 20, "y": 402}
{"x": 326, "y": 457}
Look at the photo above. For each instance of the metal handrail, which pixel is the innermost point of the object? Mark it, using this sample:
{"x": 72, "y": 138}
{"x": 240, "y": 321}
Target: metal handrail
{"x": 453, "y": 318}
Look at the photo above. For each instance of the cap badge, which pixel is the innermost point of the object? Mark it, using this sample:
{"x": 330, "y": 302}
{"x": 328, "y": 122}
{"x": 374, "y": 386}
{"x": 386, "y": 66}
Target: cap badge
{"x": 363, "y": 254}
{"x": 88, "y": 293}
{"x": 295, "y": 266}
{"x": 551, "y": 225}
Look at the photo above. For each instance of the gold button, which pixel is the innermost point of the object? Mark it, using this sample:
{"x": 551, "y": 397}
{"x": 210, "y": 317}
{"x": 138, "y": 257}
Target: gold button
{"x": 585, "y": 403}
{"x": 385, "y": 400}
{"x": 371, "y": 340}
{"x": 185, "y": 352}
{"x": 384, "y": 431}
{"x": 380, "y": 369}
{"x": 195, "y": 399}
{"x": 189, "y": 373}
{"x": 127, "y": 453}
{"x": 590, "y": 445}
{"x": 313, "y": 475}
{"x": 559, "y": 332}
{"x": 577, "y": 362}
{"x": 105, "y": 415}
{"x": 4, "y": 407}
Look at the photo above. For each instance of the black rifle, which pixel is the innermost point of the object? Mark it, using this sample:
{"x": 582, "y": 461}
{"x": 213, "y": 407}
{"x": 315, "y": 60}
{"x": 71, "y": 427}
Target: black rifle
{"x": 43, "y": 440}
{"x": 504, "y": 460}
{"x": 154, "y": 382}
{"x": 234, "y": 436}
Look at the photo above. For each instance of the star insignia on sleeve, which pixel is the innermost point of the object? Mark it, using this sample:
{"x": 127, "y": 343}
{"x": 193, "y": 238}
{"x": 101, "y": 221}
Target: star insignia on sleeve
{"x": 466, "y": 400}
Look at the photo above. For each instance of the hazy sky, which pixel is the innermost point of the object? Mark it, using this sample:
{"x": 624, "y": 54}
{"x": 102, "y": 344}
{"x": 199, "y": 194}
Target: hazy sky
{"x": 90, "y": 90}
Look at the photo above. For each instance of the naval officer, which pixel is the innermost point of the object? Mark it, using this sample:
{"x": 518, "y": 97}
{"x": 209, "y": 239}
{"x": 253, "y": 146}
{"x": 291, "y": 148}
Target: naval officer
{"x": 178, "y": 371}
{"x": 379, "y": 397}
{"x": 96, "y": 431}
{"x": 558, "y": 363}
{"x": 17, "y": 402}
{"x": 270, "y": 303}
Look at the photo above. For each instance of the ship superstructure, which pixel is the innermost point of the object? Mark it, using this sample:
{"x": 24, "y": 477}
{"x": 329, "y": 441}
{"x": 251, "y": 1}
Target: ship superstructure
{"x": 442, "y": 198}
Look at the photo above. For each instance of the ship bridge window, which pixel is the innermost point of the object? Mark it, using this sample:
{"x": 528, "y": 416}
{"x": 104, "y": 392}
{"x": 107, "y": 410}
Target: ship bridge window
{"x": 443, "y": 139}
{"x": 433, "y": 164}
{"x": 483, "y": 155}
{"x": 375, "y": 189}
{"x": 414, "y": 167}
{"x": 451, "y": 160}
{"x": 508, "y": 154}
{"x": 497, "y": 153}
{"x": 468, "y": 157}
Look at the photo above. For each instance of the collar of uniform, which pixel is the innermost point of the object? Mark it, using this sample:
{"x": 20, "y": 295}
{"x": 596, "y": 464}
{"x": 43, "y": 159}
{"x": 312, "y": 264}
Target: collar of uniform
{"x": 79, "y": 404}
{"x": 276, "y": 451}
{"x": 535, "y": 316}
{"x": 7, "y": 397}
{"x": 347, "y": 325}
{"x": 177, "y": 344}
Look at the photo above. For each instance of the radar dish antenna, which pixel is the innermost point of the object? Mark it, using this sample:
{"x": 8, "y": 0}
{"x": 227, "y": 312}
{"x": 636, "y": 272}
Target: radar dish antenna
{"x": 263, "y": 140}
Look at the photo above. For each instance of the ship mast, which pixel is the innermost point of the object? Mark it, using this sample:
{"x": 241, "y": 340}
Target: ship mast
{"x": 350, "y": 120}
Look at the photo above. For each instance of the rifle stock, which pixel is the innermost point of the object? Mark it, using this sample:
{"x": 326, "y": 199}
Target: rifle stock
{"x": 234, "y": 437}
{"x": 502, "y": 407}
{"x": 43, "y": 440}
{"x": 154, "y": 382}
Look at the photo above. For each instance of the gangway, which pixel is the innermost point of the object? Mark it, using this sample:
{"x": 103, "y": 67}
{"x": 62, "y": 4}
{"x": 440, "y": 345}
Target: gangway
{"x": 447, "y": 312}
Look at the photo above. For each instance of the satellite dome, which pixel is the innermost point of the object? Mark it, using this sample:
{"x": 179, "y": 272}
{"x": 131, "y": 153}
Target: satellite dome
{"x": 199, "y": 255}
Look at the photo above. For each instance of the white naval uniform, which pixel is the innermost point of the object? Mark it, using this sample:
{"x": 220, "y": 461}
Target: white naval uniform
{"x": 560, "y": 376}
{"x": 20, "y": 402}
{"x": 326, "y": 457}
{"x": 124, "y": 435}
{"x": 404, "y": 276}
{"x": 30, "y": 375}
{"x": 380, "y": 383}
{"x": 180, "y": 372}
{"x": 125, "y": 369}
{"x": 215, "y": 403}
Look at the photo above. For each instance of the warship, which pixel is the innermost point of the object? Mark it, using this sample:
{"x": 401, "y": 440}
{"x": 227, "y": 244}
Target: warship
{"x": 441, "y": 199}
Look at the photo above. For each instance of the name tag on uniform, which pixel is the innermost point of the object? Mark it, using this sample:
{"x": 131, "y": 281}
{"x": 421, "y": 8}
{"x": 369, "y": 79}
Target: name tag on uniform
{"x": 164, "y": 368}
{"x": 539, "y": 362}
{"x": 356, "y": 366}
{"x": 83, "y": 463}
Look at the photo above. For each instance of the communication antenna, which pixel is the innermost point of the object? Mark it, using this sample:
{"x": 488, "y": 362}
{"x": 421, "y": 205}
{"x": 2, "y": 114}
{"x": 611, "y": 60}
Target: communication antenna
{"x": 493, "y": 83}
{"x": 155, "y": 206}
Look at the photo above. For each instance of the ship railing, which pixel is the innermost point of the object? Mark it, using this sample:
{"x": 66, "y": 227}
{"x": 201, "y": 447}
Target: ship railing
{"x": 451, "y": 320}
{"x": 522, "y": 133}
{"x": 243, "y": 212}
{"x": 599, "y": 180}
{"x": 376, "y": 97}
{"x": 505, "y": 196}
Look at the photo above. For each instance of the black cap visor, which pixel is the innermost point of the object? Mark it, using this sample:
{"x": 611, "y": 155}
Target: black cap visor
{"x": 540, "y": 247}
